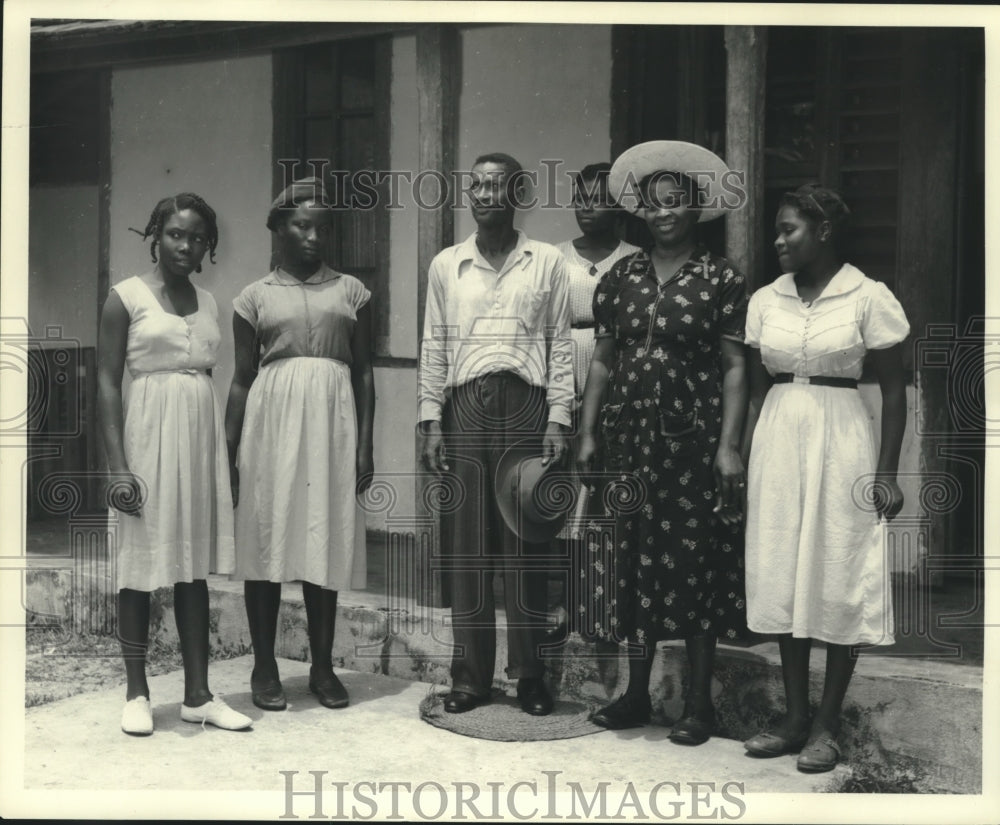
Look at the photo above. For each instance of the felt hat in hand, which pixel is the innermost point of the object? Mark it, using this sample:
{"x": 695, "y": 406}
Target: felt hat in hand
{"x": 720, "y": 188}
{"x": 534, "y": 499}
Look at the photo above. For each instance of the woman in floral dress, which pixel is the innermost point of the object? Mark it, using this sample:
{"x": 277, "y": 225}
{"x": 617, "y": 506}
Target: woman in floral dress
{"x": 670, "y": 354}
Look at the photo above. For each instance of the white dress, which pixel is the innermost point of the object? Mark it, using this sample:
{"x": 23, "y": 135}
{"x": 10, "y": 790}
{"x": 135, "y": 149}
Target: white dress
{"x": 298, "y": 516}
{"x": 583, "y": 276}
{"x": 175, "y": 444}
{"x": 816, "y": 564}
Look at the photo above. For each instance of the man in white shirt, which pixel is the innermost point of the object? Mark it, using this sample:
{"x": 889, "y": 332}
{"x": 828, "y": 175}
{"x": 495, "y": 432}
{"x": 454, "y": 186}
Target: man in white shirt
{"x": 495, "y": 370}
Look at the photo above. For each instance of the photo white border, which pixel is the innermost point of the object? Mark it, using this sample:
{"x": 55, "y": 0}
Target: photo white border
{"x": 14, "y": 800}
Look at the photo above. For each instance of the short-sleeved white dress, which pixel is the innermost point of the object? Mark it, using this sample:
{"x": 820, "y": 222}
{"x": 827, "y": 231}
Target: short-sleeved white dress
{"x": 584, "y": 276}
{"x": 816, "y": 564}
{"x": 175, "y": 444}
{"x": 298, "y": 516}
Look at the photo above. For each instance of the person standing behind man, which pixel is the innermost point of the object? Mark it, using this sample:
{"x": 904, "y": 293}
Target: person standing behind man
{"x": 496, "y": 369}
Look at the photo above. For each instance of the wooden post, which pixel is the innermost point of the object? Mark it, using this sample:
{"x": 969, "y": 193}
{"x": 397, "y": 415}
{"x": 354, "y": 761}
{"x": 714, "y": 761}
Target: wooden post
{"x": 438, "y": 65}
{"x": 746, "y": 55}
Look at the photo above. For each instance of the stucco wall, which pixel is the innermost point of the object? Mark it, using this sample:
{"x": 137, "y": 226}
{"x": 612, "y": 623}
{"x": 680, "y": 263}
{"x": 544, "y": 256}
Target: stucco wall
{"x": 62, "y": 260}
{"x": 536, "y": 92}
{"x": 203, "y": 127}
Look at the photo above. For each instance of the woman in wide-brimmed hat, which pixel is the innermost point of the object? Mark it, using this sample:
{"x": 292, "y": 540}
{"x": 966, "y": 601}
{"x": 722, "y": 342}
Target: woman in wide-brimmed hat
{"x": 299, "y": 428}
{"x": 669, "y": 328}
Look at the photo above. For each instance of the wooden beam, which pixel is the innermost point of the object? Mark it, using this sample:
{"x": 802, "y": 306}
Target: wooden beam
{"x": 438, "y": 85}
{"x": 94, "y": 434}
{"x": 746, "y": 55}
{"x": 201, "y": 40}
{"x": 437, "y": 95}
{"x": 383, "y": 101}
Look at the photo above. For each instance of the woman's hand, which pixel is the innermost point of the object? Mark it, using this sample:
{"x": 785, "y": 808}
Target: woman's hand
{"x": 730, "y": 485}
{"x": 585, "y": 456}
{"x": 365, "y": 468}
{"x": 887, "y": 496}
{"x": 125, "y": 492}
{"x": 234, "y": 484}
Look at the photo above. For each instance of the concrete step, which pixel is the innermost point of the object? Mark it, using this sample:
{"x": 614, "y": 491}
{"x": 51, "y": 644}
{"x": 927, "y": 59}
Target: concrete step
{"x": 77, "y": 744}
{"x": 910, "y": 724}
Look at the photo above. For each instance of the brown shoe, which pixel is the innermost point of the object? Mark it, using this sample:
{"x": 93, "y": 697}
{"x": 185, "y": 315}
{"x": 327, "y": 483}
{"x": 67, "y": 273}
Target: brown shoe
{"x": 820, "y": 754}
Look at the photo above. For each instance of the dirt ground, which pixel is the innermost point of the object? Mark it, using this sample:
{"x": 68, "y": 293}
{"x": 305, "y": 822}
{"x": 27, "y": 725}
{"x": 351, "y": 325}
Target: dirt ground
{"x": 57, "y": 666}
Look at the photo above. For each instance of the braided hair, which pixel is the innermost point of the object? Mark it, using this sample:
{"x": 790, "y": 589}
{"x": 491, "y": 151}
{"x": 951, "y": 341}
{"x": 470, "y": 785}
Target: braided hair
{"x": 171, "y": 206}
{"x": 820, "y": 203}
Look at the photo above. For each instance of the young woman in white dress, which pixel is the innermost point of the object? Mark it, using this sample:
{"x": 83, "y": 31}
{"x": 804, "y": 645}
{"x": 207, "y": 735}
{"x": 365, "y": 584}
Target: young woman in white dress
{"x": 171, "y": 518}
{"x": 588, "y": 258}
{"x": 815, "y": 554}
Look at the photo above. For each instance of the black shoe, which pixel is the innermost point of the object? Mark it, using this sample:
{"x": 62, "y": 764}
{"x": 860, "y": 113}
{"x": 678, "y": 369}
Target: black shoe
{"x": 625, "y": 712}
{"x": 459, "y": 702}
{"x": 330, "y": 691}
{"x": 534, "y": 697}
{"x": 693, "y": 728}
{"x": 269, "y": 696}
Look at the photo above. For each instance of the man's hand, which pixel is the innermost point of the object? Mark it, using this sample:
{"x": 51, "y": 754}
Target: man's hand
{"x": 433, "y": 454}
{"x": 553, "y": 444}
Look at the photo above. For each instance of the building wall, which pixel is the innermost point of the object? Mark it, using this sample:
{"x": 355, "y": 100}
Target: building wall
{"x": 536, "y": 92}
{"x": 62, "y": 260}
{"x": 204, "y": 127}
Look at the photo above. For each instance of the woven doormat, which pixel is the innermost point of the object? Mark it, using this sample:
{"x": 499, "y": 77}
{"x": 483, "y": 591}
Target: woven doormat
{"x": 503, "y": 720}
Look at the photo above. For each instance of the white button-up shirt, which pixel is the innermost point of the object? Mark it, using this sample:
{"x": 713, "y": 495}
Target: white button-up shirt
{"x": 479, "y": 321}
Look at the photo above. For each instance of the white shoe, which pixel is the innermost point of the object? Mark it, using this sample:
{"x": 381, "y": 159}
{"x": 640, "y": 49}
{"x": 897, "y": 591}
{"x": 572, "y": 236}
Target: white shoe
{"x": 216, "y": 713}
{"x": 137, "y": 717}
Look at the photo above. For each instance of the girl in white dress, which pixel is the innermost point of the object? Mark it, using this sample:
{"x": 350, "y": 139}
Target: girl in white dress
{"x": 816, "y": 565}
{"x": 171, "y": 517}
{"x": 588, "y": 258}
{"x": 299, "y": 428}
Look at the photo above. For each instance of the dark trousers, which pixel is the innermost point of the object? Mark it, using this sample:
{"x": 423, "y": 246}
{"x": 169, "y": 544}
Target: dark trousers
{"x": 480, "y": 421}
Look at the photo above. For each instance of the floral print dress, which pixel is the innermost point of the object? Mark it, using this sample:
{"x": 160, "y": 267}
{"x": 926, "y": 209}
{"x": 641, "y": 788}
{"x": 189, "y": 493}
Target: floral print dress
{"x": 664, "y": 566}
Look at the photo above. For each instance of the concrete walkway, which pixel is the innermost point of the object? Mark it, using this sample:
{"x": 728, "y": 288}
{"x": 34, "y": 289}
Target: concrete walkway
{"x": 76, "y": 744}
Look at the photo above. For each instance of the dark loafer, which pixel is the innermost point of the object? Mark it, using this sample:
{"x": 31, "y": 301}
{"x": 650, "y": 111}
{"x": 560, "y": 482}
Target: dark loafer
{"x": 534, "y": 697}
{"x": 768, "y": 743}
{"x": 692, "y": 728}
{"x": 459, "y": 702}
{"x": 267, "y": 694}
{"x": 329, "y": 690}
{"x": 625, "y": 712}
{"x": 820, "y": 754}
{"x": 269, "y": 697}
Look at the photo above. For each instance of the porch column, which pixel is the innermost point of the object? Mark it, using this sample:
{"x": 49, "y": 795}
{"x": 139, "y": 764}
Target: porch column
{"x": 438, "y": 61}
{"x": 746, "y": 54}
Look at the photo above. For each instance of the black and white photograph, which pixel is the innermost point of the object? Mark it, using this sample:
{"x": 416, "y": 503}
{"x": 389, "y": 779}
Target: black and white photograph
{"x": 498, "y": 411}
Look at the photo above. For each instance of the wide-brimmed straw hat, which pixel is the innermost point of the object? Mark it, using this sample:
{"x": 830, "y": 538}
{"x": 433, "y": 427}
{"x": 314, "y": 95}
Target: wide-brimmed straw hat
{"x": 705, "y": 168}
{"x": 534, "y": 499}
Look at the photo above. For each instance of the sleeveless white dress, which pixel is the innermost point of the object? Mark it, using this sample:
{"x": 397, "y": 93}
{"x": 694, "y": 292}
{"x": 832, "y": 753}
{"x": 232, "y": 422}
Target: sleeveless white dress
{"x": 175, "y": 444}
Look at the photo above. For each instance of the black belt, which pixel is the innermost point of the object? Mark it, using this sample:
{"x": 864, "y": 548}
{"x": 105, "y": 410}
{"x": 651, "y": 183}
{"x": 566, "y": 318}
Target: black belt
{"x": 583, "y": 325}
{"x": 822, "y": 380}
